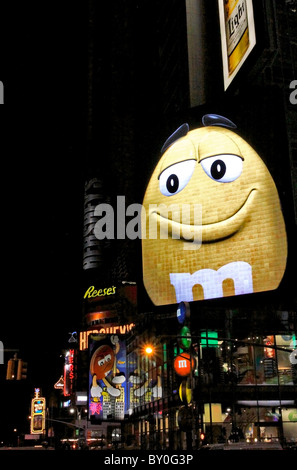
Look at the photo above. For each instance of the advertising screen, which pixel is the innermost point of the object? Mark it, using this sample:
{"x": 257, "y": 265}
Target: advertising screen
{"x": 107, "y": 377}
{"x": 69, "y": 372}
{"x": 38, "y": 409}
{"x": 145, "y": 378}
{"x": 213, "y": 225}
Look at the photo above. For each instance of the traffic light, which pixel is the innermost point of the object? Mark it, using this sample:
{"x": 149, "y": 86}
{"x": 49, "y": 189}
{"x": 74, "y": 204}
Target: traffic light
{"x": 10, "y": 373}
{"x": 22, "y": 369}
{"x": 16, "y": 369}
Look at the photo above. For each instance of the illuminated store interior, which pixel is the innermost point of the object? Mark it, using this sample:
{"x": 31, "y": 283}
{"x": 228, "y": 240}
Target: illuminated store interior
{"x": 236, "y": 388}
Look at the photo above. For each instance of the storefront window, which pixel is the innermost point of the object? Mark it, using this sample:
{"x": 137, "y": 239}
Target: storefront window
{"x": 249, "y": 402}
{"x": 289, "y": 420}
{"x": 285, "y": 367}
{"x": 265, "y": 361}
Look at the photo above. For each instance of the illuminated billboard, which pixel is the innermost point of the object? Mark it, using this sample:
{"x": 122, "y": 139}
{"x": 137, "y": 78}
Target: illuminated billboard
{"x": 107, "y": 377}
{"x": 145, "y": 377}
{"x": 112, "y": 330}
{"x": 69, "y": 372}
{"x": 212, "y": 221}
{"x": 238, "y": 36}
{"x": 110, "y": 305}
{"x": 38, "y": 410}
{"x": 118, "y": 383}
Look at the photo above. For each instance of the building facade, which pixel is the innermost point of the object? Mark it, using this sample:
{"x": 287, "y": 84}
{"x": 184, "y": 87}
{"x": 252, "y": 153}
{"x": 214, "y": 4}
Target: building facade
{"x": 240, "y": 387}
{"x": 228, "y": 372}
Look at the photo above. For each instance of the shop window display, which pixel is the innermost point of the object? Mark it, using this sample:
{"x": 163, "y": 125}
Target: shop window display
{"x": 251, "y": 372}
{"x": 261, "y": 360}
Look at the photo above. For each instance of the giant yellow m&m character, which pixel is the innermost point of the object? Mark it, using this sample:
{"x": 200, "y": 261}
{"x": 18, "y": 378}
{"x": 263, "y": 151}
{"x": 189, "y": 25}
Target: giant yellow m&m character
{"x": 212, "y": 224}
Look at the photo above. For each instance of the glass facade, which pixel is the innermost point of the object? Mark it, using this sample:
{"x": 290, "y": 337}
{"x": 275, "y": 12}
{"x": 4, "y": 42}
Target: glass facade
{"x": 239, "y": 388}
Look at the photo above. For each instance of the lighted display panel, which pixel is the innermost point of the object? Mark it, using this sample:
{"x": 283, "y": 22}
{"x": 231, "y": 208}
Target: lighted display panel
{"x": 37, "y": 415}
{"x": 107, "y": 377}
{"x": 145, "y": 377}
{"x": 110, "y": 329}
{"x": 69, "y": 372}
{"x": 238, "y": 36}
{"x": 110, "y": 305}
{"x": 212, "y": 221}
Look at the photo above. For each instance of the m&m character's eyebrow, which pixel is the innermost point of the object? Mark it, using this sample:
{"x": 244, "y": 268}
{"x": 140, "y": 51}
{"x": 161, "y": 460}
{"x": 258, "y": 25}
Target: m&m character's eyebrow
{"x": 180, "y": 132}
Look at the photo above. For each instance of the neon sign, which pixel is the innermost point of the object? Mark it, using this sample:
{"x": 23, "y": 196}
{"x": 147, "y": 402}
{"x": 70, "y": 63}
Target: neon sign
{"x": 91, "y": 292}
{"x": 69, "y": 373}
{"x": 113, "y": 330}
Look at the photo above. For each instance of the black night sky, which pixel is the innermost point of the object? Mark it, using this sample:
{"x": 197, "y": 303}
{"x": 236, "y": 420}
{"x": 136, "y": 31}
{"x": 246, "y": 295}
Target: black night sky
{"x": 44, "y": 126}
{"x": 44, "y": 72}
{"x": 43, "y": 66}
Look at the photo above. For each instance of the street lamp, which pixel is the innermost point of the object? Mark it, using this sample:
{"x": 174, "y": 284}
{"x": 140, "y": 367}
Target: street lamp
{"x": 149, "y": 349}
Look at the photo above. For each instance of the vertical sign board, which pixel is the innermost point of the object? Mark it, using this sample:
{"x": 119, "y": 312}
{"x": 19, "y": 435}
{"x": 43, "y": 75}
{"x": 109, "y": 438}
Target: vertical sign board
{"x": 69, "y": 372}
{"x": 107, "y": 377}
{"x": 238, "y": 36}
{"x": 38, "y": 409}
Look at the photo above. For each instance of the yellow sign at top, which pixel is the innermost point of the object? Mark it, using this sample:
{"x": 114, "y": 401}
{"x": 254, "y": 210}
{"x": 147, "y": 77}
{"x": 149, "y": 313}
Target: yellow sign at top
{"x": 91, "y": 292}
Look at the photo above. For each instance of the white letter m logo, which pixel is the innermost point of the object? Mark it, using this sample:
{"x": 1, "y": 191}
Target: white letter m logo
{"x": 212, "y": 281}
